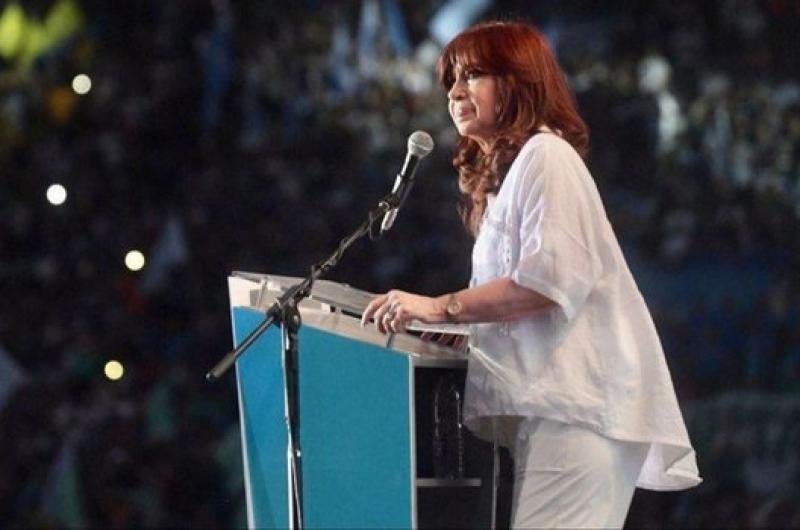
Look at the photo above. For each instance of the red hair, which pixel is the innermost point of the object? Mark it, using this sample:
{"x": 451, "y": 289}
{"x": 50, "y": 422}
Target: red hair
{"x": 532, "y": 91}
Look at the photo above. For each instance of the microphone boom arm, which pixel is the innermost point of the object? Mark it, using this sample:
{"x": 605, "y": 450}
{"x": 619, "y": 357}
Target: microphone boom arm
{"x": 292, "y": 296}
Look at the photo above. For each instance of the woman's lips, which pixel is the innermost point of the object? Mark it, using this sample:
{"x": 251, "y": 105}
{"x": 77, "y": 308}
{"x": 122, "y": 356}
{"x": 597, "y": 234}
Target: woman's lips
{"x": 462, "y": 113}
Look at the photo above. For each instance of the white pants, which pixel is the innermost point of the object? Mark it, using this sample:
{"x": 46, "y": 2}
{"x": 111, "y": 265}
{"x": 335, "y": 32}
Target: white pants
{"x": 570, "y": 477}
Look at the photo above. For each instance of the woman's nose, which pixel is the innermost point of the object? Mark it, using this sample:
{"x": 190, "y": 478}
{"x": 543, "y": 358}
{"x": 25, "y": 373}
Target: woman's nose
{"x": 456, "y": 91}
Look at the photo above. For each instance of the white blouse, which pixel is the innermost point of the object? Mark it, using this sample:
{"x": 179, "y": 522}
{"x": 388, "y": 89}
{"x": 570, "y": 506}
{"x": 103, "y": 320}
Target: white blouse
{"x": 593, "y": 359}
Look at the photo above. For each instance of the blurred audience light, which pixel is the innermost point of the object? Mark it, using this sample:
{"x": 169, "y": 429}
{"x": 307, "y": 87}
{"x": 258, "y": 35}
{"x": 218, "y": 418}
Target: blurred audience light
{"x": 134, "y": 260}
{"x": 81, "y": 84}
{"x": 56, "y": 194}
{"x": 114, "y": 370}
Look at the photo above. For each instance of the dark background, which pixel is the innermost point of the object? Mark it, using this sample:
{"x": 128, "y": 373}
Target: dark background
{"x": 223, "y": 136}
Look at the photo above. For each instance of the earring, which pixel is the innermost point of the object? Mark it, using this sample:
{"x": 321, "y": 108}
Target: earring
{"x": 497, "y": 109}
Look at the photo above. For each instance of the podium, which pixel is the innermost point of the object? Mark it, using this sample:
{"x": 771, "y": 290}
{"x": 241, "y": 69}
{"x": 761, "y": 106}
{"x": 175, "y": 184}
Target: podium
{"x": 376, "y": 452}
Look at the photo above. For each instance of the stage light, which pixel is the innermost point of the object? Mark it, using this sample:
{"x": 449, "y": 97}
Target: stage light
{"x": 81, "y": 84}
{"x": 56, "y": 194}
{"x": 134, "y": 260}
{"x": 114, "y": 370}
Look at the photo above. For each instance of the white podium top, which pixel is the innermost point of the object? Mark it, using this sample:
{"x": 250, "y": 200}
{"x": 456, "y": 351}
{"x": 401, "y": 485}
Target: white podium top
{"x": 337, "y": 308}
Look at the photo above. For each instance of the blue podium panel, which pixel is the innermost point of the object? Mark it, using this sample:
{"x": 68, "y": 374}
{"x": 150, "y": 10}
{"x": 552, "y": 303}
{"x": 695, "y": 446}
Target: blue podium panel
{"x": 356, "y": 414}
{"x": 261, "y": 412}
{"x": 355, "y": 433}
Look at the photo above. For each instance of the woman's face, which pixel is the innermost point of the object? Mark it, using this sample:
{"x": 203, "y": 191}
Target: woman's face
{"x": 472, "y": 103}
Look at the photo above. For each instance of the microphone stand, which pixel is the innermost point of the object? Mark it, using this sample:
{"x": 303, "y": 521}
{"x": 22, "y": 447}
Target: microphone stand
{"x": 285, "y": 311}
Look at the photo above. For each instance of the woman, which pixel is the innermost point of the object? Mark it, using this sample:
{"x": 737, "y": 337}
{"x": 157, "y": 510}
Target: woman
{"x": 565, "y": 366}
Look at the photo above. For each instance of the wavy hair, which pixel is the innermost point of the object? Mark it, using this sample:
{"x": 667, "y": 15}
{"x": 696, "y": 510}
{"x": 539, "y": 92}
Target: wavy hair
{"x": 532, "y": 91}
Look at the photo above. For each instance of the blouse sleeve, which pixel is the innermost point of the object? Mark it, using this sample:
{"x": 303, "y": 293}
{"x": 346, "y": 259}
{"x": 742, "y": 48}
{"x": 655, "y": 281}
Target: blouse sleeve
{"x": 553, "y": 205}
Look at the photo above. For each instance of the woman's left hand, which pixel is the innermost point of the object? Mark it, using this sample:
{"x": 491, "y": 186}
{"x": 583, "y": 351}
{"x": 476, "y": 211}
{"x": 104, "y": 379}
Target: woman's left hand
{"x": 393, "y": 311}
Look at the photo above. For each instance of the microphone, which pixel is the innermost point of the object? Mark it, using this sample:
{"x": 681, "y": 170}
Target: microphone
{"x": 420, "y": 145}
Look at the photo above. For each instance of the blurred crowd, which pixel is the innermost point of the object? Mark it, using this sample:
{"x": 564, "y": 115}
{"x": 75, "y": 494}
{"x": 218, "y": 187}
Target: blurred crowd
{"x": 221, "y": 136}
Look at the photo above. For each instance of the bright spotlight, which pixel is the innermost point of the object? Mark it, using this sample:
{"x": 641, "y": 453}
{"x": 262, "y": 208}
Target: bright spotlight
{"x": 81, "y": 84}
{"x": 114, "y": 370}
{"x": 134, "y": 260}
{"x": 56, "y": 194}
